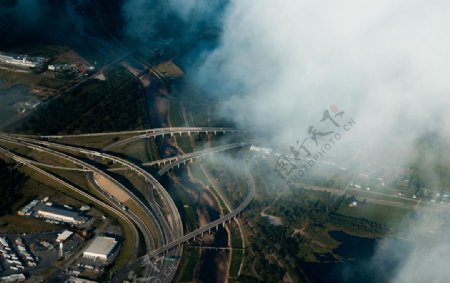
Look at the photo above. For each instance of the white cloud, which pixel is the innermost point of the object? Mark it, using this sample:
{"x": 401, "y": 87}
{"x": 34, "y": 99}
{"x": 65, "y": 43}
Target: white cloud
{"x": 385, "y": 63}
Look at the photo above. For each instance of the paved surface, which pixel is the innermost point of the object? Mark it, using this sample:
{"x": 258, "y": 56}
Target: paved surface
{"x": 169, "y": 248}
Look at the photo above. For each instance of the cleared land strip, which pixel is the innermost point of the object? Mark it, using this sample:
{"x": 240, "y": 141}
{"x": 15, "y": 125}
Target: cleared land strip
{"x": 111, "y": 188}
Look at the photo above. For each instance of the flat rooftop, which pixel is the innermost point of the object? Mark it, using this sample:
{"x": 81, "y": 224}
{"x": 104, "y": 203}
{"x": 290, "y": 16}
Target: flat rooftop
{"x": 64, "y": 236}
{"x": 101, "y": 245}
{"x": 58, "y": 211}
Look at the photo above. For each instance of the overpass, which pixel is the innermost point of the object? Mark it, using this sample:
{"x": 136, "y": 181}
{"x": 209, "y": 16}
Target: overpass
{"x": 144, "y": 229}
{"x": 169, "y": 234}
{"x": 131, "y": 166}
{"x": 141, "y": 133}
{"x": 141, "y": 172}
{"x": 143, "y": 261}
{"x": 196, "y": 154}
{"x": 116, "y": 211}
{"x": 178, "y": 237}
{"x": 153, "y": 133}
{"x": 183, "y": 159}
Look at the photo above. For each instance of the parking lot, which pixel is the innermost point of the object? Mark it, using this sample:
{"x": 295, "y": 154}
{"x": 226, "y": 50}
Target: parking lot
{"x": 40, "y": 248}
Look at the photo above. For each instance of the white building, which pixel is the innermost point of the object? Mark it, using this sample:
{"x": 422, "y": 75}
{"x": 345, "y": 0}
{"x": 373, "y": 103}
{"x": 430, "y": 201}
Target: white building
{"x": 64, "y": 236}
{"x": 101, "y": 248}
{"x": 59, "y": 214}
{"x": 21, "y": 62}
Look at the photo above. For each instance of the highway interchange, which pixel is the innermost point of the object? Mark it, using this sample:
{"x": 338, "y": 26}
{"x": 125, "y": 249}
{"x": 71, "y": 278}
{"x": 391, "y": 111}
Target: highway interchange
{"x": 161, "y": 217}
{"x": 150, "y": 213}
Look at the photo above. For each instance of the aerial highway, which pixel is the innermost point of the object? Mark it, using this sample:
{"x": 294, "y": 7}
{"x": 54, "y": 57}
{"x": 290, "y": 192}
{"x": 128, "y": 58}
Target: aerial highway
{"x": 143, "y": 133}
{"x": 170, "y": 131}
{"x": 169, "y": 222}
{"x": 200, "y": 231}
{"x": 130, "y": 219}
{"x": 149, "y": 242}
{"x": 27, "y": 163}
{"x": 180, "y": 159}
{"x": 84, "y": 165}
{"x": 185, "y": 158}
{"x": 176, "y": 220}
{"x": 196, "y": 154}
{"x": 169, "y": 232}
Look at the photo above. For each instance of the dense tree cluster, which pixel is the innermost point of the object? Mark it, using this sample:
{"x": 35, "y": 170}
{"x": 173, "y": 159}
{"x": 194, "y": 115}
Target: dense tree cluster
{"x": 112, "y": 105}
{"x": 10, "y": 184}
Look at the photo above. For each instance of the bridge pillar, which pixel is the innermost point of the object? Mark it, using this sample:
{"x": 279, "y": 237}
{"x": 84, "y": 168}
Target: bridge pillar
{"x": 215, "y": 132}
{"x": 171, "y": 134}
{"x": 189, "y": 133}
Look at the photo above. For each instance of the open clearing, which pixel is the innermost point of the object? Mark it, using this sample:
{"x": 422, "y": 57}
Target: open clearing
{"x": 111, "y": 188}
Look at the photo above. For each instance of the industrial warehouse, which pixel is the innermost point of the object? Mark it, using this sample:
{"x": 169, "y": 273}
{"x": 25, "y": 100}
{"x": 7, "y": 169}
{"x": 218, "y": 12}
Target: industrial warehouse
{"x": 60, "y": 214}
{"x": 21, "y": 60}
{"x": 53, "y": 213}
{"x": 101, "y": 248}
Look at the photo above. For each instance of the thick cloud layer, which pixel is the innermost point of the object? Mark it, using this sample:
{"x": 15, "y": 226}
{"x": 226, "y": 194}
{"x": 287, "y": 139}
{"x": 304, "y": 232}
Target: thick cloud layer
{"x": 385, "y": 63}
{"x": 280, "y": 64}
{"x": 150, "y": 20}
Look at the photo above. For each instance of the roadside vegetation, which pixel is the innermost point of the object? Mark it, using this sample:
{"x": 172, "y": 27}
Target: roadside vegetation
{"x": 94, "y": 106}
{"x": 10, "y": 187}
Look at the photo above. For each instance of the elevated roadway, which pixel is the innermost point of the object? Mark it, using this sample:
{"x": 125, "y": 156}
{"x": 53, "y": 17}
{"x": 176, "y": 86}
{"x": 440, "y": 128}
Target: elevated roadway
{"x": 142, "y": 133}
{"x": 143, "y": 261}
{"x": 174, "y": 217}
{"x": 176, "y": 161}
{"x": 115, "y": 210}
{"x": 145, "y": 230}
{"x": 176, "y": 237}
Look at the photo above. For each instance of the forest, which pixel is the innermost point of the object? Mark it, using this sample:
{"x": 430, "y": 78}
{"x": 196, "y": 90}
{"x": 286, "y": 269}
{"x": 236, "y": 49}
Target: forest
{"x": 10, "y": 184}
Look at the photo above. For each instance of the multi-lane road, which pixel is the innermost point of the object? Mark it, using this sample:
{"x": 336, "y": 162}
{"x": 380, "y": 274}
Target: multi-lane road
{"x": 163, "y": 215}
